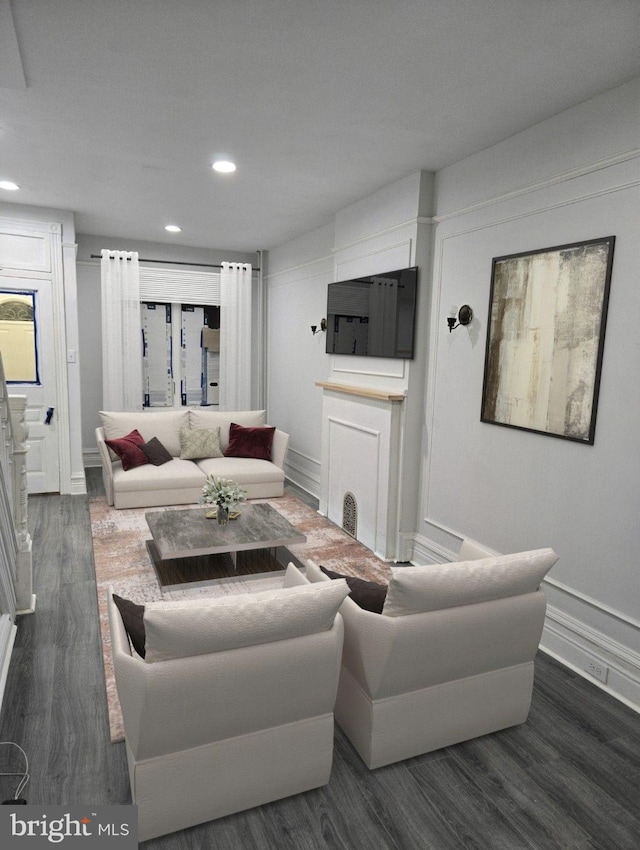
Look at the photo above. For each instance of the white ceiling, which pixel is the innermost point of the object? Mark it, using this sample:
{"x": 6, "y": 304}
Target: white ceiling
{"x": 115, "y": 108}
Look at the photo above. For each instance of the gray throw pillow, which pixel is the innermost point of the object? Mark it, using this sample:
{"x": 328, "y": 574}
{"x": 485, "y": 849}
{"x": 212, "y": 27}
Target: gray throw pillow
{"x": 156, "y": 452}
{"x": 133, "y": 619}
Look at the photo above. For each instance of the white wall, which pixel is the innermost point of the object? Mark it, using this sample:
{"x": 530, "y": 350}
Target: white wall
{"x": 296, "y": 279}
{"x": 571, "y": 178}
{"x": 89, "y": 312}
{"x": 387, "y": 230}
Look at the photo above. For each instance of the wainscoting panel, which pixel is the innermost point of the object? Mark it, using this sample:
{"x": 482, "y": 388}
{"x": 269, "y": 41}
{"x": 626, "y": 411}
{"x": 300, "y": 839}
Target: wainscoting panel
{"x": 304, "y": 471}
{"x": 610, "y": 663}
{"x": 354, "y": 466}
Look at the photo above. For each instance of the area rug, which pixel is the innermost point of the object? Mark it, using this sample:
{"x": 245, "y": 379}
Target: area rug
{"x": 122, "y": 562}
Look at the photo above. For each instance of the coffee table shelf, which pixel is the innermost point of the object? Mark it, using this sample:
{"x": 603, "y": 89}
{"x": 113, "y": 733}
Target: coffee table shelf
{"x": 188, "y": 547}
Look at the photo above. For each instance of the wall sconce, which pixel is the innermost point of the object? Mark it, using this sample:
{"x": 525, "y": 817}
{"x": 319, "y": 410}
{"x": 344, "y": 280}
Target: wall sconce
{"x": 465, "y": 314}
{"x": 323, "y": 326}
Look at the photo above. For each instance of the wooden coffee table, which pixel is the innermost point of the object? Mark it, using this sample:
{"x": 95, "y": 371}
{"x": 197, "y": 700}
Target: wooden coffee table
{"x": 187, "y": 547}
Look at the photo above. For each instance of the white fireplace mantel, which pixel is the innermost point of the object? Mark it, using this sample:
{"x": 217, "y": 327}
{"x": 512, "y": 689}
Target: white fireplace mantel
{"x": 362, "y": 447}
{"x": 362, "y": 392}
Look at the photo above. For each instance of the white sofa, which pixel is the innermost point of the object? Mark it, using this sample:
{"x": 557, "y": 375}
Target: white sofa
{"x": 232, "y": 705}
{"x": 180, "y": 481}
{"x": 449, "y": 658}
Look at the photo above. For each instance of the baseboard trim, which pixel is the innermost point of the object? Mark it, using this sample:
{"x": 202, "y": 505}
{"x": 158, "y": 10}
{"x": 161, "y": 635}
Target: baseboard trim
{"x": 78, "y": 484}
{"x": 302, "y": 478}
{"x": 8, "y": 630}
{"x": 425, "y": 551}
{"x": 31, "y": 609}
{"x": 576, "y": 644}
{"x": 91, "y": 457}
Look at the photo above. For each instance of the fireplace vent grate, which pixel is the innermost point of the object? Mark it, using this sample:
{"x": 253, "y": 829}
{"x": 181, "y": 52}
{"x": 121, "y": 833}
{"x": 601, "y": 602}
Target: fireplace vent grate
{"x": 350, "y": 514}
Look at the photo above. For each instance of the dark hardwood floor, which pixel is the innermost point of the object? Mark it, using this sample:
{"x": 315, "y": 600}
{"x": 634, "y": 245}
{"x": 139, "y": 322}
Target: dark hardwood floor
{"x": 568, "y": 778}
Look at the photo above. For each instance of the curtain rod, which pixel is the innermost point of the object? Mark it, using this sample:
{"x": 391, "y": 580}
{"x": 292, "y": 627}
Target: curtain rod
{"x": 172, "y": 262}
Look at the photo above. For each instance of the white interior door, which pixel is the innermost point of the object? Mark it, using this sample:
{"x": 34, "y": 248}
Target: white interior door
{"x": 29, "y": 358}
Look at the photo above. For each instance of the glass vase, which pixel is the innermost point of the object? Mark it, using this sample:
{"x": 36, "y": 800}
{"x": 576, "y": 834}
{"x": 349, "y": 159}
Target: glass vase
{"x": 222, "y": 515}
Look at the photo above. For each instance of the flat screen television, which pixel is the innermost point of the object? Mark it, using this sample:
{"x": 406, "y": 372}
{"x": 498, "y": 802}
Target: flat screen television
{"x": 373, "y": 316}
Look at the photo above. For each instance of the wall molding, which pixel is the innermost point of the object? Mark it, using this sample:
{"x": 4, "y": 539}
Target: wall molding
{"x": 566, "y": 638}
{"x": 338, "y": 249}
{"x": 411, "y": 222}
{"x": 594, "y": 603}
{"x": 78, "y": 484}
{"x": 439, "y": 553}
{"x": 91, "y": 457}
{"x": 425, "y": 551}
{"x": 567, "y": 202}
{"x": 408, "y": 243}
{"x": 375, "y": 373}
{"x": 575, "y": 644}
{"x": 303, "y": 471}
{"x": 557, "y": 179}
{"x": 328, "y": 258}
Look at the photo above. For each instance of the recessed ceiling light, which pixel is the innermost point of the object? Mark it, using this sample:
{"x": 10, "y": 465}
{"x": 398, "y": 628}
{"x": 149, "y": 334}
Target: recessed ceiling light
{"x": 173, "y": 228}
{"x": 9, "y": 186}
{"x": 224, "y": 166}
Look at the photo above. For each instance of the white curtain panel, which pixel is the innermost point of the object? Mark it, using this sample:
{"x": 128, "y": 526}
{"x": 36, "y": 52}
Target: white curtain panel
{"x": 235, "y": 336}
{"x": 121, "y": 331}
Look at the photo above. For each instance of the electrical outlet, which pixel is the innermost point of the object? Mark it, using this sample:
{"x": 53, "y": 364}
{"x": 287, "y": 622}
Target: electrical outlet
{"x": 597, "y": 670}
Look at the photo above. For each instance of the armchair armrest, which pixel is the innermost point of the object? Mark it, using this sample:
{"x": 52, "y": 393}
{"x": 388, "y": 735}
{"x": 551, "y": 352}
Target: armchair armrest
{"x": 107, "y": 468}
{"x": 279, "y": 448}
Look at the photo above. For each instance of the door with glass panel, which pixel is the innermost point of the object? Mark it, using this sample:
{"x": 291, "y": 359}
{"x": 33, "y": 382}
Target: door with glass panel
{"x": 27, "y": 346}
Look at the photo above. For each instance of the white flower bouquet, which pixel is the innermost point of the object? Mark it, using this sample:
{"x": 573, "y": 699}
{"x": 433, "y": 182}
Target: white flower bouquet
{"x": 222, "y": 492}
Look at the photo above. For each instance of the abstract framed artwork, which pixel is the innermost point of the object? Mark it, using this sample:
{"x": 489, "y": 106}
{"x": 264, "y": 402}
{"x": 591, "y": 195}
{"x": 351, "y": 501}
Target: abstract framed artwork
{"x": 545, "y": 339}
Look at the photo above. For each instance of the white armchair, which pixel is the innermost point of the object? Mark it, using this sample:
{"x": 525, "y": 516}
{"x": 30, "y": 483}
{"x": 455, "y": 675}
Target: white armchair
{"x": 232, "y": 705}
{"x": 450, "y": 657}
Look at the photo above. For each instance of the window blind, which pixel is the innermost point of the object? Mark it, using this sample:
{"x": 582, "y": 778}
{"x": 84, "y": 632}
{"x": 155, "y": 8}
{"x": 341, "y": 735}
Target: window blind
{"x": 179, "y": 286}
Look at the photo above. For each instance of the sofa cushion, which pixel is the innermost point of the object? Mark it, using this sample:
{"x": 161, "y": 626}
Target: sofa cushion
{"x": 128, "y": 449}
{"x": 174, "y": 475}
{"x": 242, "y": 470}
{"x": 250, "y": 442}
{"x": 164, "y": 424}
{"x": 414, "y": 590}
{"x": 196, "y": 443}
{"x": 223, "y": 419}
{"x": 132, "y": 618}
{"x": 156, "y": 452}
{"x": 199, "y": 626}
{"x": 367, "y": 594}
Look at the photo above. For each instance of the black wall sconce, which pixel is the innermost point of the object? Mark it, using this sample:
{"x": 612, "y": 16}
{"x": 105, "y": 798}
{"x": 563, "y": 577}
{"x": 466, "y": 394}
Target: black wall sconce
{"x": 323, "y": 326}
{"x": 465, "y": 314}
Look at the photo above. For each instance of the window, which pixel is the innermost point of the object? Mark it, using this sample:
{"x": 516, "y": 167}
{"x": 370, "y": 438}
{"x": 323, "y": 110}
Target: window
{"x": 181, "y": 354}
{"x": 18, "y": 337}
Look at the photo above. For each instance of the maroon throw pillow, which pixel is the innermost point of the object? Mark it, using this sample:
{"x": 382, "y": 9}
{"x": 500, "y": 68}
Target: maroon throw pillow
{"x": 250, "y": 442}
{"x": 128, "y": 449}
